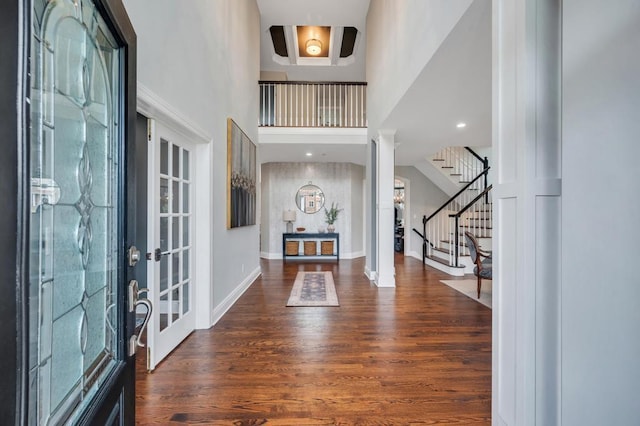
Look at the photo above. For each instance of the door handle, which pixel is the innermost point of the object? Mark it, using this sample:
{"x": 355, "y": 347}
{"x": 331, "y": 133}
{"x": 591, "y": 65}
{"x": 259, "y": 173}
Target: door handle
{"x": 147, "y": 303}
{"x": 134, "y": 302}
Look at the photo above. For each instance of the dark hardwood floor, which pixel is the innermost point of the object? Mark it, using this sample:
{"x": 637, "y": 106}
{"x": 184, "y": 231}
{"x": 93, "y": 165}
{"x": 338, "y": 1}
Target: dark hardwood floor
{"x": 416, "y": 354}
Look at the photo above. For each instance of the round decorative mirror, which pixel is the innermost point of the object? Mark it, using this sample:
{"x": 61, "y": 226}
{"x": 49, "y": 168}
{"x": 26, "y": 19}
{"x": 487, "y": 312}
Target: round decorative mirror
{"x": 310, "y": 199}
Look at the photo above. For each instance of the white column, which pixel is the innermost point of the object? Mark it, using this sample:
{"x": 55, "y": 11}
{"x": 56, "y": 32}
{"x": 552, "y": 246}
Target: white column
{"x": 386, "y": 175}
{"x": 527, "y": 214}
{"x": 371, "y": 211}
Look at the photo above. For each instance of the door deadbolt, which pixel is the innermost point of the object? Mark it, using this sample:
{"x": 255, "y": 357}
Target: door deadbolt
{"x": 134, "y": 255}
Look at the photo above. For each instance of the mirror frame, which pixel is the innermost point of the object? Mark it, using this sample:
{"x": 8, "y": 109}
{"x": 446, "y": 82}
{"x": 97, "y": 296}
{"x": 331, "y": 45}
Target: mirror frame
{"x": 313, "y": 199}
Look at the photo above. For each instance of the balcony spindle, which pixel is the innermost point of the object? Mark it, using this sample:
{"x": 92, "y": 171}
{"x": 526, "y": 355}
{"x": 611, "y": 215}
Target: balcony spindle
{"x": 309, "y": 104}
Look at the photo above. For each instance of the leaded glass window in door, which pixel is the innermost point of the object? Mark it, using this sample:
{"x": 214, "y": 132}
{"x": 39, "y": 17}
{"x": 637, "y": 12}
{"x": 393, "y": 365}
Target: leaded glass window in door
{"x": 76, "y": 208}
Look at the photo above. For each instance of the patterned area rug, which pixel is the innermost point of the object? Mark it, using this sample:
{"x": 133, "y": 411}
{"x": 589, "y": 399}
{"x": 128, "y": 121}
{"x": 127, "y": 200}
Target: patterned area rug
{"x": 470, "y": 289}
{"x": 313, "y": 289}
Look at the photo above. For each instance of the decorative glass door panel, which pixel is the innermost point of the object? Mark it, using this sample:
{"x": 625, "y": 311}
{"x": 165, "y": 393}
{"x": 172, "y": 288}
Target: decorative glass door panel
{"x": 76, "y": 208}
{"x": 170, "y": 276}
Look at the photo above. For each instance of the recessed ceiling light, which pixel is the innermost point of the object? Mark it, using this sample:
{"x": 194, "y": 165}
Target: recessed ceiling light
{"x": 309, "y": 154}
{"x": 461, "y": 125}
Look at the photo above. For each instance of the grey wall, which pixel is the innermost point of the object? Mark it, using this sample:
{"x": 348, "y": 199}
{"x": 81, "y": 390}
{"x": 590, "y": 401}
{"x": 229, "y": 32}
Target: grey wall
{"x": 340, "y": 182}
{"x": 423, "y": 199}
{"x": 600, "y": 207}
{"x": 197, "y": 60}
{"x": 402, "y": 36}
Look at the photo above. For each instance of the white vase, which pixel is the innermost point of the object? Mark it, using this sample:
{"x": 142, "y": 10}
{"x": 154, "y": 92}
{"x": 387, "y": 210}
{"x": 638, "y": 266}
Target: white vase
{"x": 331, "y": 228}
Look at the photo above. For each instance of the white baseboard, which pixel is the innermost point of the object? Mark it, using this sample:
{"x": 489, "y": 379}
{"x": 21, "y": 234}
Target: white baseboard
{"x": 278, "y": 256}
{"x": 353, "y": 255}
{"x": 414, "y": 254}
{"x": 233, "y": 297}
{"x": 270, "y": 256}
{"x": 370, "y": 274}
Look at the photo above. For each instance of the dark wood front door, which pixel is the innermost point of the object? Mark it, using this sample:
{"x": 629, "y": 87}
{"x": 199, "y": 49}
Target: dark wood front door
{"x": 74, "y": 220}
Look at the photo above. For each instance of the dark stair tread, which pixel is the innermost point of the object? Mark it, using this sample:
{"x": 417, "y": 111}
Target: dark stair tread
{"x": 442, "y": 261}
{"x": 460, "y": 243}
{"x": 446, "y": 167}
{"x": 441, "y": 250}
{"x": 455, "y": 174}
{"x": 438, "y": 159}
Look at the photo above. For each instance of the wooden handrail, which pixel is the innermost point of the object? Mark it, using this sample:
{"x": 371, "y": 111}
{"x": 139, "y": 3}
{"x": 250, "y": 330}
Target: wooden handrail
{"x": 475, "y": 154}
{"x": 464, "y": 188}
{"x": 472, "y": 202}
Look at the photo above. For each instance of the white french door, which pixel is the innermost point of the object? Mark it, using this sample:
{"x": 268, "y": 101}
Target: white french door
{"x": 170, "y": 231}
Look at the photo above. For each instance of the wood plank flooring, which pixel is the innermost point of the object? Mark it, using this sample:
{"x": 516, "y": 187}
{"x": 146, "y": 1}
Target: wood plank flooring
{"x": 416, "y": 354}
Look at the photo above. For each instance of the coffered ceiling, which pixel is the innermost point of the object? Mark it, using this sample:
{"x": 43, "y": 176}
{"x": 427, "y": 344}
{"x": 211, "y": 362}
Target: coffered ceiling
{"x": 324, "y": 20}
{"x": 454, "y": 86}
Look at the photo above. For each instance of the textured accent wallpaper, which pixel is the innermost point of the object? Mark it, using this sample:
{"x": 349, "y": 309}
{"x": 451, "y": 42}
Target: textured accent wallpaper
{"x": 281, "y": 181}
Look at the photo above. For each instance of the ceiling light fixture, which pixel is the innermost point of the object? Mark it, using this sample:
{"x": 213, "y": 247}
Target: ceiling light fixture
{"x": 313, "y": 46}
{"x": 309, "y": 154}
{"x": 461, "y": 125}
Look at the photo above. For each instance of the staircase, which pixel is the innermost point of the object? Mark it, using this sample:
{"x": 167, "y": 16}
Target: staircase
{"x": 470, "y": 209}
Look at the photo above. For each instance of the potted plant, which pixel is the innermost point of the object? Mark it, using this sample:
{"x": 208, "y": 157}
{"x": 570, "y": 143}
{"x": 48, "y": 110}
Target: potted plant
{"x": 331, "y": 216}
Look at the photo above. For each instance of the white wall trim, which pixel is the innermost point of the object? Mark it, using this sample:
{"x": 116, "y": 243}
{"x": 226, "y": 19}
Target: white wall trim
{"x": 414, "y": 254}
{"x": 369, "y": 273}
{"x": 153, "y": 106}
{"x": 345, "y": 256}
{"x": 270, "y": 256}
{"x": 526, "y": 341}
{"x": 157, "y": 109}
{"x": 233, "y": 297}
{"x": 312, "y": 135}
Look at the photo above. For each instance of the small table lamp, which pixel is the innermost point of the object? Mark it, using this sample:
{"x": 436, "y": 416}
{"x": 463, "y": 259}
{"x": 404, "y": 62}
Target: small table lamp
{"x": 289, "y": 216}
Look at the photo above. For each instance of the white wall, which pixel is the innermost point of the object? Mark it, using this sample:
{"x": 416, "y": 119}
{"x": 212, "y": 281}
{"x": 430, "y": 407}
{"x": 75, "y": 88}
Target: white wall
{"x": 486, "y": 151}
{"x": 601, "y": 175}
{"x": 340, "y": 182}
{"x": 202, "y": 61}
{"x": 402, "y": 36}
{"x": 423, "y": 197}
{"x": 527, "y": 200}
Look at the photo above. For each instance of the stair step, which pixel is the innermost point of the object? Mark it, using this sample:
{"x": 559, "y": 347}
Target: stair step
{"x": 446, "y": 167}
{"x": 470, "y": 226}
{"x": 455, "y": 174}
{"x": 450, "y": 242}
{"x": 461, "y": 240}
{"x": 443, "y": 262}
{"x": 438, "y": 159}
{"x": 447, "y": 252}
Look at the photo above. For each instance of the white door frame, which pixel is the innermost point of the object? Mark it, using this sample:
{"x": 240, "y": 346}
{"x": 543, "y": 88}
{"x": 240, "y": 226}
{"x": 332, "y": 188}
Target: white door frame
{"x": 154, "y": 107}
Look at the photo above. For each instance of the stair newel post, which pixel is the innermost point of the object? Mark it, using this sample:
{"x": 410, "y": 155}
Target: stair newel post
{"x": 485, "y": 162}
{"x": 456, "y": 240}
{"x": 424, "y": 238}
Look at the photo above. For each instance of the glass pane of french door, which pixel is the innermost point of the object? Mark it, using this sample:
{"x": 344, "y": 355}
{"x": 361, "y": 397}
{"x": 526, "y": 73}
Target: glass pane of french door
{"x": 76, "y": 208}
{"x": 175, "y": 212}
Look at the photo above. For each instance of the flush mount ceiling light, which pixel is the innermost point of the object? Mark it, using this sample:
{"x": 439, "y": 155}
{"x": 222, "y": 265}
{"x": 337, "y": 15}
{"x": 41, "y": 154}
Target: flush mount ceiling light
{"x": 313, "y": 46}
{"x": 461, "y": 125}
{"x": 309, "y": 154}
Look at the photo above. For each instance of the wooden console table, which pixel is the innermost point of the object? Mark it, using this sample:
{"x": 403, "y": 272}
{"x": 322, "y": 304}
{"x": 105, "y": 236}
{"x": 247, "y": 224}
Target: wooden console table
{"x": 316, "y": 237}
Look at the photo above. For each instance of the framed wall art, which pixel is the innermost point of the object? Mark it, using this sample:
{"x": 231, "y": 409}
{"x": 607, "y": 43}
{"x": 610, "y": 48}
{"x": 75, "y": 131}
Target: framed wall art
{"x": 241, "y": 177}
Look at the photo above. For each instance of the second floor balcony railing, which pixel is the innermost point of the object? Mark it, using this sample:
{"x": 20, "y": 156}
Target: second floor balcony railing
{"x": 312, "y": 104}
